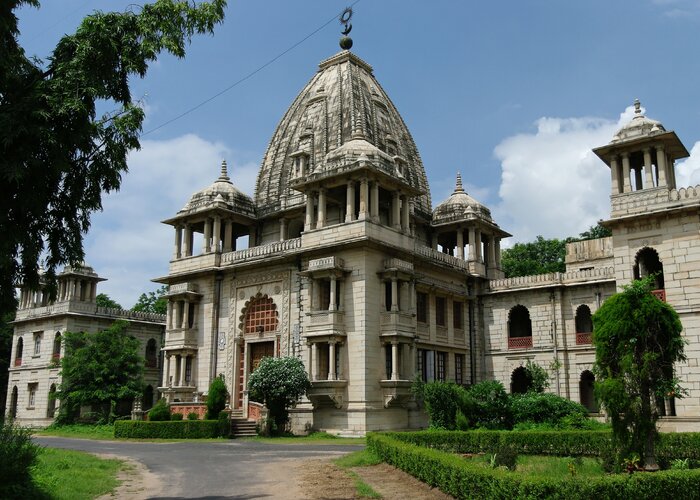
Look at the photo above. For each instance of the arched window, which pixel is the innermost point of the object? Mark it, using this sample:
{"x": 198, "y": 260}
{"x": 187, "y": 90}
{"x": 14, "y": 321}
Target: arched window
{"x": 519, "y": 328}
{"x": 586, "y": 394}
{"x": 18, "y": 351}
{"x": 13, "y": 403}
{"x": 147, "y": 398}
{"x": 260, "y": 316}
{"x": 519, "y": 381}
{"x": 584, "y": 325}
{"x": 151, "y": 354}
{"x": 647, "y": 262}
{"x": 56, "y": 352}
{"x": 51, "y": 406}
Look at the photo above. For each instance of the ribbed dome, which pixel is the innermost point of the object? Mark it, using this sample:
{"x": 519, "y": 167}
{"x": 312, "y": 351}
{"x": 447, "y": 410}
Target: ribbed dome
{"x": 343, "y": 103}
{"x": 639, "y": 126}
{"x": 460, "y": 206}
{"x": 223, "y": 192}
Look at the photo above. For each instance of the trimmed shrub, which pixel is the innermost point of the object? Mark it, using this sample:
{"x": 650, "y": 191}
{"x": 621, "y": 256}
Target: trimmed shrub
{"x": 442, "y": 401}
{"x": 224, "y": 421}
{"x": 176, "y": 416}
{"x": 183, "y": 429}
{"x": 216, "y": 398}
{"x": 192, "y": 416}
{"x": 463, "y": 479}
{"x": 17, "y": 456}
{"x": 160, "y": 412}
{"x": 486, "y": 405}
{"x": 545, "y": 408}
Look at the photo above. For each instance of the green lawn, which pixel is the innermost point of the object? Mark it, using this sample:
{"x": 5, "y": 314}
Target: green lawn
{"x": 79, "y": 431}
{"x": 551, "y": 467}
{"x": 66, "y": 474}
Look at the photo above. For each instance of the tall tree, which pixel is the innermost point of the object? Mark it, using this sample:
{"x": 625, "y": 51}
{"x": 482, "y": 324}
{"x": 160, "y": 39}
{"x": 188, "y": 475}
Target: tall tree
{"x": 153, "y": 302}
{"x": 537, "y": 257}
{"x": 99, "y": 370}
{"x": 637, "y": 339}
{"x": 57, "y": 156}
{"x": 104, "y": 300}
{"x": 595, "y": 232}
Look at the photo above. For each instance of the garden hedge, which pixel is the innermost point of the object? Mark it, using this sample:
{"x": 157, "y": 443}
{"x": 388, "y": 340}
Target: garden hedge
{"x": 182, "y": 429}
{"x": 559, "y": 443}
{"x": 462, "y": 479}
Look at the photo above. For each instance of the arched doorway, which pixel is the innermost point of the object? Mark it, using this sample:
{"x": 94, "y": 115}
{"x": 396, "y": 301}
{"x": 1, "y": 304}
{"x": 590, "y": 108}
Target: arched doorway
{"x": 519, "y": 381}
{"x": 151, "y": 354}
{"x": 18, "y": 351}
{"x": 51, "y": 405}
{"x": 647, "y": 262}
{"x": 586, "y": 392}
{"x": 584, "y": 325}
{"x": 13, "y": 403}
{"x": 519, "y": 328}
{"x": 147, "y": 398}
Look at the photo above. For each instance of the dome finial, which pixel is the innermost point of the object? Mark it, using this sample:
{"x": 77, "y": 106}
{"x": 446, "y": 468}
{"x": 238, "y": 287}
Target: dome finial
{"x": 345, "y": 40}
{"x": 224, "y": 171}
{"x": 637, "y": 107}
{"x": 458, "y": 186}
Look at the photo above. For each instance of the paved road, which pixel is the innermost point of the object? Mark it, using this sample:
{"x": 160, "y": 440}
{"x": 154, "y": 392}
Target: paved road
{"x": 233, "y": 469}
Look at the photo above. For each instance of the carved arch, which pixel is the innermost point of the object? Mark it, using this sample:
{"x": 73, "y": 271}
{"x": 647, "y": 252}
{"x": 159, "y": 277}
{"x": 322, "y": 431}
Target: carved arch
{"x": 259, "y": 315}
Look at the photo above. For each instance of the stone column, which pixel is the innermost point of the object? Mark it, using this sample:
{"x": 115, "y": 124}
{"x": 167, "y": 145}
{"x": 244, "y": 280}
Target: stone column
{"x": 331, "y": 360}
{"x": 460, "y": 244}
{"x": 216, "y": 237}
{"x": 394, "y": 294}
{"x": 166, "y": 373}
{"x": 228, "y": 236}
{"x": 350, "y": 202}
{"x": 341, "y": 296}
{"x": 302, "y": 165}
{"x": 497, "y": 243}
{"x": 627, "y": 184}
{"x": 661, "y": 165}
{"x": 321, "y": 220}
{"x": 252, "y": 237}
{"x": 412, "y": 296}
{"x": 615, "y": 175}
{"x": 492, "y": 252}
{"x": 472, "y": 244}
{"x": 649, "y": 175}
{"x": 395, "y": 211}
{"x": 170, "y": 314}
{"x": 314, "y": 363}
{"x": 363, "y": 199}
{"x": 181, "y": 381}
{"x": 283, "y": 229}
{"x": 185, "y": 314}
{"x": 188, "y": 240}
{"x": 638, "y": 179}
{"x": 477, "y": 242}
{"x": 331, "y": 306}
{"x": 178, "y": 242}
{"x": 308, "y": 225}
{"x": 394, "y": 360}
{"x": 405, "y": 227}
{"x": 374, "y": 202}
{"x": 206, "y": 241}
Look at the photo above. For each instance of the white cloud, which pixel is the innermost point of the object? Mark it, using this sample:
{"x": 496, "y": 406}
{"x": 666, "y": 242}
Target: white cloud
{"x": 552, "y": 183}
{"x": 127, "y": 244}
{"x": 688, "y": 170}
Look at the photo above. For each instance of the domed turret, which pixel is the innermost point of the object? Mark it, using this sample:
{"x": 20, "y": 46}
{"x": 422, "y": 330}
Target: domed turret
{"x": 342, "y": 108}
{"x": 222, "y": 192}
{"x": 639, "y": 126}
{"x": 460, "y": 206}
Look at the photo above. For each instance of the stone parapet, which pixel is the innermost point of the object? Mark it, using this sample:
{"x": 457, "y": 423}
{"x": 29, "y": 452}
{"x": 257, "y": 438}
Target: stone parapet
{"x": 78, "y": 307}
{"x": 261, "y": 252}
{"x": 588, "y": 250}
{"x": 553, "y": 279}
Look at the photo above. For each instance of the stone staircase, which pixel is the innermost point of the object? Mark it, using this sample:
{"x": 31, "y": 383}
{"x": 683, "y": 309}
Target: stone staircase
{"x": 241, "y": 426}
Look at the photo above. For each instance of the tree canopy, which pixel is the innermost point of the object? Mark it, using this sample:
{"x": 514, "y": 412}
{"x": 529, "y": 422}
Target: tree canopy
{"x": 153, "y": 302}
{"x": 57, "y": 156}
{"x": 104, "y": 300}
{"x": 637, "y": 339}
{"x": 99, "y": 370}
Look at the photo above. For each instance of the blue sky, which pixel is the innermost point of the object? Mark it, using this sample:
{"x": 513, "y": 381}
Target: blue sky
{"x": 513, "y": 94}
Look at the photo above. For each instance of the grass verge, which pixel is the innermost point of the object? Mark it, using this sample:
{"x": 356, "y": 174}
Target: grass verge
{"x": 360, "y": 458}
{"x": 313, "y": 438}
{"x": 549, "y": 466}
{"x": 74, "y": 475}
{"x": 79, "y": 431}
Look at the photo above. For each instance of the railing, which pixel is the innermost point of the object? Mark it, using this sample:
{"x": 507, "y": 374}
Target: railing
{"x": 182, "y": 288}
{"x": 75, "y": 306}
{"x": 441, "y": 257}
{"x": 18, "y": 361}
{"x": 325, "y": 263}
{"x": 659, "y": 294}
{"x": 605, "y": 273}
{"x": 262, "y": 251}
{"x": 584, "y": 338}
{"x": 519, "y": 342}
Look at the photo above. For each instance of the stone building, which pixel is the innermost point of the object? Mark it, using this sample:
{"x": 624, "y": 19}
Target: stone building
{"x": 347, "y": 266}
{"x": 37, "y": 347}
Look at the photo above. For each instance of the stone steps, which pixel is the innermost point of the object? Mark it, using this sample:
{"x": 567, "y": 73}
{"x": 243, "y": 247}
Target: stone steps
{"x": 241, "y": 427}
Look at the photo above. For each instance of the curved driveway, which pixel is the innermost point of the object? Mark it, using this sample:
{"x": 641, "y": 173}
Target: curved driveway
{"x": 234, "y": 469}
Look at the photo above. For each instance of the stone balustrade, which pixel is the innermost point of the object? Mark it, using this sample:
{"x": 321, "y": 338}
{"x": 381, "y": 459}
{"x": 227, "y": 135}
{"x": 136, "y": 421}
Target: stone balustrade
{"x": 261, "y": 252}
{"x": 326, "y": 263}
{"x": 182, "y": 288}
{"x": 599, "y": 274}
{"x": 449, "y": 260}
{"x": 78, "y": 307}
{"x": 399, "y": 264}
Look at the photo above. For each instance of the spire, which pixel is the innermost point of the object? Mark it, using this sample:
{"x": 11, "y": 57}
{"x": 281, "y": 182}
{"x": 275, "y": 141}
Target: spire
{"x": 458, "y": 186}
{"x": 224, "y": 172}
{"x": 345, "y": 40}
{"x": 637, "y": 108}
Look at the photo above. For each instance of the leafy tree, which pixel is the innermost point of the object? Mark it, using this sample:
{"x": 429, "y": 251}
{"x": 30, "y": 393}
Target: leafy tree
{"x": 99, "y": 370}
{"x": 153, "y": 302}
{"x": 103, "y": 300}
{"x": 637, "y": 338}
{"x": 538, "y": 378}
{"x": 278, "y": 383}
{"x": 442, "y": 402}
{"x": 216, "y": 398}
{"x": 487, "y": 405}
{"x": 595, "y": 232}
{"x": 57, "y": 155}
{"x": 538, "y": 257}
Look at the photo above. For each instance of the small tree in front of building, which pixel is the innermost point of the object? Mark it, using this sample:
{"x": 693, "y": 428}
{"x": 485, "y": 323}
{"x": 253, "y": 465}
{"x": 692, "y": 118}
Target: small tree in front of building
{"x": 99, "y": 370}
{"x": 638, "y": 339}
{"x": 278, "y": 383}
{"x": 216, "y": 398}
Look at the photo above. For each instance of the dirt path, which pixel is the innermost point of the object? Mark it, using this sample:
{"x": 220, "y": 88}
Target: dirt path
{"x": 136, "y": 481}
